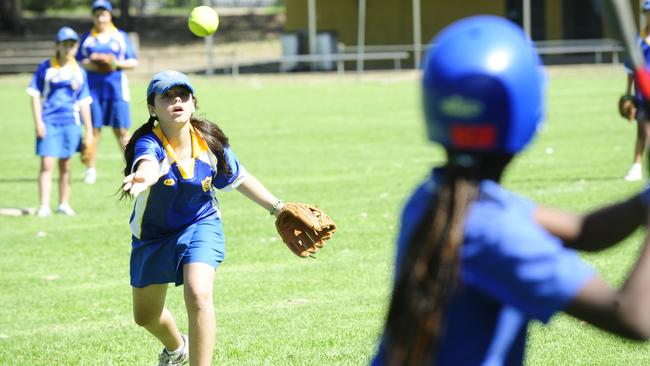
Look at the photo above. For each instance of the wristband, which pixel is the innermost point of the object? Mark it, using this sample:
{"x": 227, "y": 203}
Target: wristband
{"x": 275, "y": 207}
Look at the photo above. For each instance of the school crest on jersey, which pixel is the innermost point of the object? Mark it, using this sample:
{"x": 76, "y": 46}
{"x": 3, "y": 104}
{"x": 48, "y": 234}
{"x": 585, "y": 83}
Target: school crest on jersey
{"x": 206, "y": 184}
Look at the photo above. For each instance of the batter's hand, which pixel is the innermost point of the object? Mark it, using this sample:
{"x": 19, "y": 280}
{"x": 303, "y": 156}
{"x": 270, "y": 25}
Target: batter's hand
{"x": 136, "y": 183}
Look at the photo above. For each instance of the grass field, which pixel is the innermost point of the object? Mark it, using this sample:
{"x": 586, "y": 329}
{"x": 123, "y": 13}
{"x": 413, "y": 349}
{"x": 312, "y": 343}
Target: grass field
{"x": 353, "y": 146}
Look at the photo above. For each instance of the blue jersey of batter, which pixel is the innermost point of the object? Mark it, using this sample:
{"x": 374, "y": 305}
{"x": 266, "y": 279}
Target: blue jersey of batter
{"x": 511, "y": 272}
{"x": 61, "y": 89}
{"x": 112, "y": 85}
{"x": 185, "y": 193}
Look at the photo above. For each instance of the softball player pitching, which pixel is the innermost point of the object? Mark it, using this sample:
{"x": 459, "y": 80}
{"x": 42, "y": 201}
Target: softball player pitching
{"x": 105, "y": 52}
{"x": 175, "y": 163}
{"x": 60, "y": 103}
{"x": 475, "y": 262}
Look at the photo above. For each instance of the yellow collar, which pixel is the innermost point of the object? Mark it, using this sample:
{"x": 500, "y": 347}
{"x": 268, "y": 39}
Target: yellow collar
{"x": 54, "y": 62}
{"x": 111, "y": 28}
{"x": 198, "y": 146}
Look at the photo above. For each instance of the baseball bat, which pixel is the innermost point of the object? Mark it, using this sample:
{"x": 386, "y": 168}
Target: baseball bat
{"x": 620, "y": 19}
{"x": 16, "y": 211}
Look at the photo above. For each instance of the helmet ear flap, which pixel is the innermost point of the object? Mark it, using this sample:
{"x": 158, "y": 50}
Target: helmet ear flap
{"x": 482, "y": 87}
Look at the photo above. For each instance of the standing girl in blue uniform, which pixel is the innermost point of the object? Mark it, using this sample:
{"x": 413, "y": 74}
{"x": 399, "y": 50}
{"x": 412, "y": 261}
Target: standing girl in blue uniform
{"x": 643, "y": 40}
{"x": 476, "y": 263}
{"x": 60, "y": 103}
{"x": 105, "y": 52}
{"x": 174, "y": 164}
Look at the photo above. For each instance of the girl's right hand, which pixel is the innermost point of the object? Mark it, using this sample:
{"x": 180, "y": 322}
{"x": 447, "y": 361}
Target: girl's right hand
{"x": 136, "y": 183}
{"x": 40, "y": 130}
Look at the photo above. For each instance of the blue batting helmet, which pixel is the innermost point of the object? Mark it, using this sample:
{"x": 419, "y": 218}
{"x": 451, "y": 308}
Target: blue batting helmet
{"x": 483, "y": 86}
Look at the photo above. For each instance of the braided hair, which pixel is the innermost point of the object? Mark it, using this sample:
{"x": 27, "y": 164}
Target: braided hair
{"x": 428, "y": 274}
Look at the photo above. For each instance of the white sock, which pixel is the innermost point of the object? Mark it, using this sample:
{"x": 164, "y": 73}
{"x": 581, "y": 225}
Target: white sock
{"x": 177, "y": 351}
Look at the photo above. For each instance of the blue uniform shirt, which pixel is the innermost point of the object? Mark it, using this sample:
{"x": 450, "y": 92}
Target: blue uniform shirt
{"x": 185, "y": 193}
{"x": 61, "y": 89}
{"x": 511, "y": 272}
{"x": 112, "y": 85}
{"x": 642, "y": 41}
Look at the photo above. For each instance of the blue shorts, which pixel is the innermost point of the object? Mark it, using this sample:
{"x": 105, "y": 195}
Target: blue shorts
{"x": 60, "y": 141}
{"x": 112, "y": 113}
{"x": 161, "y": 260}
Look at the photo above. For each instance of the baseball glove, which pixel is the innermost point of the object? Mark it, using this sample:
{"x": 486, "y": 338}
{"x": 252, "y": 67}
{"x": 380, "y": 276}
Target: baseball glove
{"x": 304, "y": 228}
{"x": 105, "y": 62}
{"x": 86, "y": 152}
{"x": 627, "y": 107}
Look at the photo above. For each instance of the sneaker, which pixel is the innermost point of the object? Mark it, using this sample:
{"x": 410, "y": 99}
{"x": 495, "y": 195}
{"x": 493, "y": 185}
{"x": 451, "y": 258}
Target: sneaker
{"x": 43, "y": 211}
{"x": 65, "y": 209}
{"x": 635, "y": 173}
{"x": 176, "y": 358}
{"x": 90, "y": 177}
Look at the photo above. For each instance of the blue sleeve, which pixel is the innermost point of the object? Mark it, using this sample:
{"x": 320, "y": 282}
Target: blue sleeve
{"x": 85, "y": 91}
{"x": 38, "y": 80}
{"x": 237, "y": 172}
{"x": 521, "y": 264}
{"x": 627, "y": 66}
{"x": 81, "y": 52}
{"x": 148, "y": 145}
{"x": 130, "y": 51}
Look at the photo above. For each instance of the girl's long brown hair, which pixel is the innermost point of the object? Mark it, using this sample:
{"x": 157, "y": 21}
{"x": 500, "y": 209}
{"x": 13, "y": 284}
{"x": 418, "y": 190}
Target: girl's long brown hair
{"x": 428, "y": 274}
{"x": 213, "y": 135}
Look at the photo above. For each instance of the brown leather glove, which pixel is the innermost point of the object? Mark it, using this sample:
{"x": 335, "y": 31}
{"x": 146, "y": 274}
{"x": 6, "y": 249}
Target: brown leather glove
{"x": 304, "y": 228}
{"x": 627, "y": 107}
{"x": 104, "y": 62}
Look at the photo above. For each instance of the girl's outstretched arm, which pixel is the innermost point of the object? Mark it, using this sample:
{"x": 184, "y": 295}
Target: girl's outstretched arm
{"x": 146, "y": 174}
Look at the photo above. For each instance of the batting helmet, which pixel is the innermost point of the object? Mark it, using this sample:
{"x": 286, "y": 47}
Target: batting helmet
{"x": 483, "y": 86}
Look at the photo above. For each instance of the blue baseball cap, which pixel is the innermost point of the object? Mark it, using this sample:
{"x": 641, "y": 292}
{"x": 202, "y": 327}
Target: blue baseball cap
{"x": 165, "y": 80}
{"x": 66, "y": 33}
{"x": 102, "y": 4}
{"x": 646, "y": 5}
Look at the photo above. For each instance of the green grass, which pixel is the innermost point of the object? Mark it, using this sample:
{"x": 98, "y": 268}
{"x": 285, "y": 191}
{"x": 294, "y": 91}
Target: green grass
{"x": 354, "y": 147}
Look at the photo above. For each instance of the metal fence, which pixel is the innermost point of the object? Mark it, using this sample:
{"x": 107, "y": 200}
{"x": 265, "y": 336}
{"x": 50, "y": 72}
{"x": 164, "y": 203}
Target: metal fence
{"x": 242, "y": 3}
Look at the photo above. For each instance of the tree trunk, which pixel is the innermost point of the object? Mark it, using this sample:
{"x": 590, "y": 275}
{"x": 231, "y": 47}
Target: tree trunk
{"x": 11, "y": 17}
{"x": 125, "y": 15}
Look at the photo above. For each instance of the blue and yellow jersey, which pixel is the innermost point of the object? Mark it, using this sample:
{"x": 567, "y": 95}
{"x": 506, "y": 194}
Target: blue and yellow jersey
{"x": 112, "y": 85}
{"x": 186, "y": 191}
{"x": 61, "y": 89}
